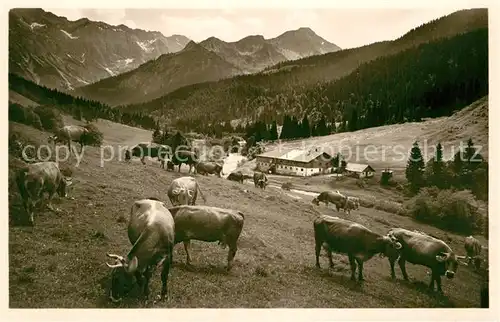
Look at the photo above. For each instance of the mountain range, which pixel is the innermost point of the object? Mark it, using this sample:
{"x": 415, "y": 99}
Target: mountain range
{"x": 104, "y": 62}
{"x": 62, "y": 54}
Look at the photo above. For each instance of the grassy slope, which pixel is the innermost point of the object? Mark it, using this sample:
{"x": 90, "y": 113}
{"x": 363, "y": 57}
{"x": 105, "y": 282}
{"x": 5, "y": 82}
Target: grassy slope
{"x": 471, "y": 121}
{"x": 61, "y": 261}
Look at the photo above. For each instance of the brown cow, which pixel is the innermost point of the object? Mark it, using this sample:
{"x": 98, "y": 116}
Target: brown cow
{"x": 38, "y": 178}
{"x": 183, "y": 191}
{"x": 236, "y": 176}
{"x": 260, "y": 180}
{"x": 347, "y": 237}
{"x": 151, "y": 231}
{"x": 209, "y": 224}
{"x": 204, "y": 168}
{"x": 335, "y": 197}
{"x": 473, "y": 249}
{"x": 422, "y": 249}
{"x": 69, "y": 133}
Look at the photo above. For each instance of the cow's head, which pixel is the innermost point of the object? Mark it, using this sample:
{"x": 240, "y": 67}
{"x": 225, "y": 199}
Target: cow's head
{"x": 391, "y": 247}
{"x": 315, "y": 201}
{"x": 63, "y": 188}
{"x": 53, "y": 139}
{"x": 261, "y": 183}
{"x": 122, "y": 276}
{"x": 183, "y": 195}
{"x": 450, "y": 263}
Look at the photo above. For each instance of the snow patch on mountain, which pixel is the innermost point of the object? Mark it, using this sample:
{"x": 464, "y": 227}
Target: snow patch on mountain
{"x": 145, "y": 45}
{"x": 36, "y": 25}
{"x": 68, "y": 83}
{"x": 290, "y": 55}
{"x": 69, "y": 35}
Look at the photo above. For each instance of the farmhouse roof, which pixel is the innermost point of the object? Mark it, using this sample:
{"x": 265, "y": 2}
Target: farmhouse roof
{"x": 296, "y": 155}
{"x": 358, "y": 167}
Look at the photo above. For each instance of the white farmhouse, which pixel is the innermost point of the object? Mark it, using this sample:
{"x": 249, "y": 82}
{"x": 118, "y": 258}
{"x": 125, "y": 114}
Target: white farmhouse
{"x": 295, "y": 162}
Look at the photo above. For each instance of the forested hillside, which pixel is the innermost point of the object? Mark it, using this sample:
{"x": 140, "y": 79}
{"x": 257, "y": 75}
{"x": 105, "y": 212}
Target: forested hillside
{"x": 78, "y": 107}
{"x": 432, "y": 79}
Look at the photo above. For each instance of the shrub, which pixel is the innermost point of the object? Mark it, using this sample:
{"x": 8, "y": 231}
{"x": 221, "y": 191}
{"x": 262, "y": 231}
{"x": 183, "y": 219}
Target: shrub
{"x": 360, "y": 183}
{"x": 24, "y": 115}
{"x": 447, "y": 209}
{"x": 51, "y": 119}
{"x": 287, "y": 186}
{"x": 390, "y": 206}
{"x": 94, "y": 137}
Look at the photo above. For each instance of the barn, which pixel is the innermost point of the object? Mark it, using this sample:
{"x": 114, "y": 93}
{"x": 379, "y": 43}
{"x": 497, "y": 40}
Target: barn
{"x": 295, "y": 162}
{"x": 359, "y": 170}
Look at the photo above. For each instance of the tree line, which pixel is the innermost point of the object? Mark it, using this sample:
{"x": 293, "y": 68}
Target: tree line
{"x": 80, "y": 108}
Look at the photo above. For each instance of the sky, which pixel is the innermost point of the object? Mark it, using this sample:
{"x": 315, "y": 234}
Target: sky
{"x": 345, "y": 27}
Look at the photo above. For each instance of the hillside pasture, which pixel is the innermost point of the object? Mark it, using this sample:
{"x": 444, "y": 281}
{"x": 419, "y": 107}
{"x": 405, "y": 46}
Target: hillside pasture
{"x": 60, "y": 262}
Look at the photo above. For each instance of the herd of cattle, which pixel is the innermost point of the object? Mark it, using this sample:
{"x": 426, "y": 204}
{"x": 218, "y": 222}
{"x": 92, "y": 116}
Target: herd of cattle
{"x": 154, "y": 229}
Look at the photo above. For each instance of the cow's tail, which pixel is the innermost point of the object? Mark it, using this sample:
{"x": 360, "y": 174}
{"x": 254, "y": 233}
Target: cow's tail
{"x": 201, "y": 193}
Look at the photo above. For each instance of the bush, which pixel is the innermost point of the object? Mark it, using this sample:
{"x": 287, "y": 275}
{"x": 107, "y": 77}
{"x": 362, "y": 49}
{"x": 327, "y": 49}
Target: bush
{"x": 390, "y": 206}
{"x": 51, "y": 119}
{"x": 287, "y": 186}
{"x": 17, "y": 142}
{"x": 447, "y": 209}
{"x": 94, "y": 137}
{"x": 360, "y": 183}
{"x": 24, "y": 115}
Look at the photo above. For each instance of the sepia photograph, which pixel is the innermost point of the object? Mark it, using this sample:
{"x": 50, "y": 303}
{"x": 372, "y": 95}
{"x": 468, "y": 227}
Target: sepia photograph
{"x": 248, "y": 157}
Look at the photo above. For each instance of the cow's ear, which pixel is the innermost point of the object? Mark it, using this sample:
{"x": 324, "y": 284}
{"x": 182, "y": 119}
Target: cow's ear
{"x": 441, "y": 257}
{"x": 132, "y": 265}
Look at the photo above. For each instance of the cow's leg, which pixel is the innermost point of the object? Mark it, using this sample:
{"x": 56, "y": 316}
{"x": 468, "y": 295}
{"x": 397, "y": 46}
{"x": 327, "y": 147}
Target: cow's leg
{"x": 180, "y": 167}
{"x": 330, "y": 260}
{"x": 140, "y": 281}
{"x": 393, "y": 273}
{"x": 360, "y": 269}
{"x": 164, "y": 274}
{"x": 431, "y": 284}
{"x": 402, "y": 266}
{"x": 352, "y": 262}
{"x": 230, "y": 255}
{"x": 187, "y": 244}
{"x": 318, "y": 251}
{"x": 142, "y": 160}
{"x": 436, "y": 277}
{"x": 147, "y": 276}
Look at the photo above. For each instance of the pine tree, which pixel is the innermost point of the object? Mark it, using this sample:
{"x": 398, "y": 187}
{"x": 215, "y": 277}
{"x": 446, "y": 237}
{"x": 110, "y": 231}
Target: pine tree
{"x": 437, "y": 170}
{"x": 415, "y": 168}
{"x": 157, "y": 136}
{"x": 273, "y": 131}
{"x": 305, "y": 128}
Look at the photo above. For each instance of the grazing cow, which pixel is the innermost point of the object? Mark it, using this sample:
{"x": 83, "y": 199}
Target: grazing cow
{"x": 347, "y": 237}
{"x": 152, "y": 150}
{"x": 38, "y": 178}
{"x": 422, "y": 249}
{"x": 260, "y": 180}
{"x": 208, "y": 168}
{"x": 183, "y": 191}
{"x": 348, "y": 206}
{"x": 354, "y": 201}
{"x": 473, "y": 249}
{"x": 69, "y": 133}
{"x": 338, "y": 199}
{"x": 236, "y": 176}
{"x": 209, "y": 224}
{"x": 184, "y": 156}
{"x": 151, "y": 231}
{"x": 170, "y": 165}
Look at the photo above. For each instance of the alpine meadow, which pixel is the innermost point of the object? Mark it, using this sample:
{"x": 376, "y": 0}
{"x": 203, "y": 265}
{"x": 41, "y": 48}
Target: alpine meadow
{"x": 150, "y": 170}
